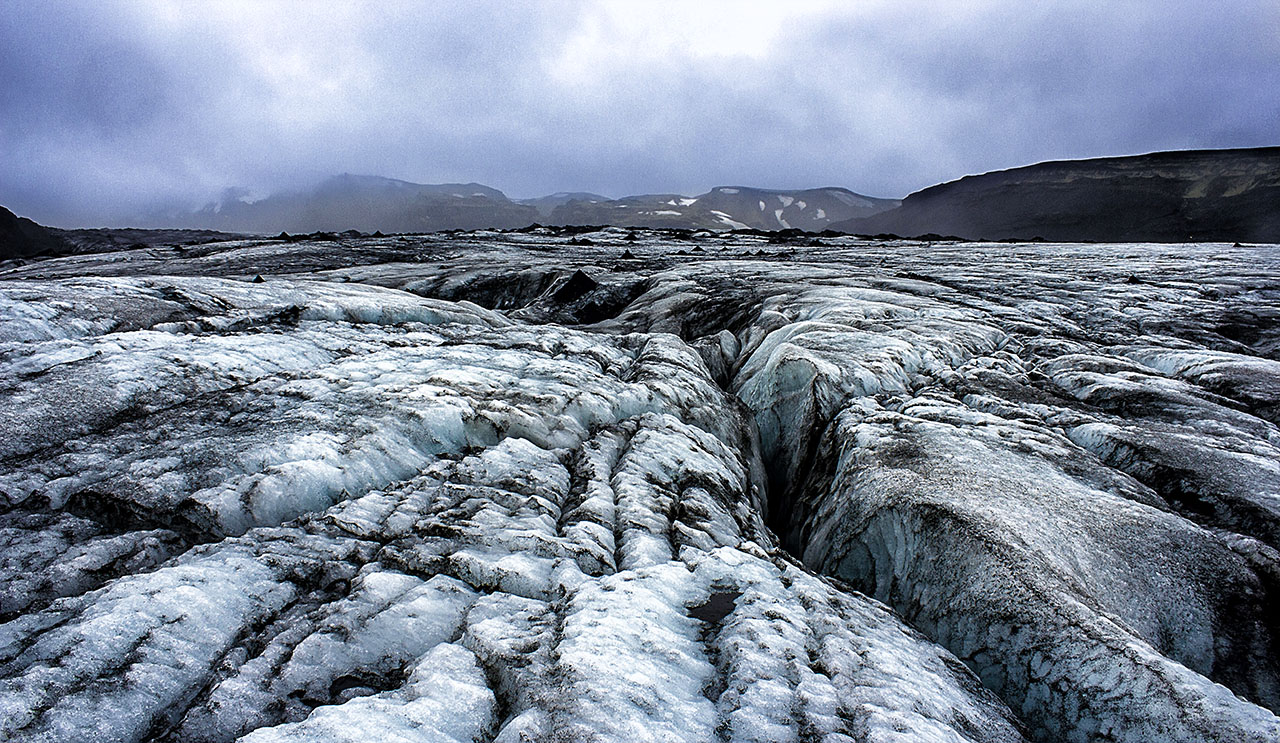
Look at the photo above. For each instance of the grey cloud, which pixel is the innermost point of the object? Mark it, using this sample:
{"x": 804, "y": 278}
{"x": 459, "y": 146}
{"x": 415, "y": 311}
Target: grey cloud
{"x": 111, "y": 109}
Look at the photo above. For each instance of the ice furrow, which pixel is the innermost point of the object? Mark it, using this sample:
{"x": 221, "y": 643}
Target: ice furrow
{"x": 906, "y": 479}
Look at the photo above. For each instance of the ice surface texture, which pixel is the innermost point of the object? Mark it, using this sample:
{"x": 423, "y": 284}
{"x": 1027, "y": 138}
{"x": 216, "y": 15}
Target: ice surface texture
{"x": 721, "y": 490}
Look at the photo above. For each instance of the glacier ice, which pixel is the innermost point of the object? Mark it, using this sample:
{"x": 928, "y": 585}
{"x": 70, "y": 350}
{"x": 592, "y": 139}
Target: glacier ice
{"x": 841, "y": 490}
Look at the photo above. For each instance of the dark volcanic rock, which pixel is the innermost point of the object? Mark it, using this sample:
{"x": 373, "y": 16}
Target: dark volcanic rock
{"x": 1219, "y": 195}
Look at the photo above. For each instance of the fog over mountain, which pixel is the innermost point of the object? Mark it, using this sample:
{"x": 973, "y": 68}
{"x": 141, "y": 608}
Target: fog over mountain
{"x": 114, "y": 110}
{"x": 372, "y": 203}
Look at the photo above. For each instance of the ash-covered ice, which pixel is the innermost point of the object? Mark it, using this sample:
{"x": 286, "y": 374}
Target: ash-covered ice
{"x": 645, "y": 486}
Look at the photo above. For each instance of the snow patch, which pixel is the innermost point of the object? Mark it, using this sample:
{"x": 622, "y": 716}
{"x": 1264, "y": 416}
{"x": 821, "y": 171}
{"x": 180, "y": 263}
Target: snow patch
{"x": 733, "y": 223}
{"x": 851, "y": 199}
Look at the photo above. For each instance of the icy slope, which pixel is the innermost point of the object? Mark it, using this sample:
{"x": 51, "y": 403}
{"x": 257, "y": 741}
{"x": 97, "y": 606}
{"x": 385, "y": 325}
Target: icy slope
{"x": 1018, "y": 492}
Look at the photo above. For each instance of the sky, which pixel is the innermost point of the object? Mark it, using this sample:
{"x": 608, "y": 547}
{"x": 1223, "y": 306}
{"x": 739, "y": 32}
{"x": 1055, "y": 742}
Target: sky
{"x": 112, "y": 109}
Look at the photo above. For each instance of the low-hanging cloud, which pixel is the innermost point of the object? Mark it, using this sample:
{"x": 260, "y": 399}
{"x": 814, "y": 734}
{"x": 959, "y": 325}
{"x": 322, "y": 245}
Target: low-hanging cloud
{"x": 108, "y": 110}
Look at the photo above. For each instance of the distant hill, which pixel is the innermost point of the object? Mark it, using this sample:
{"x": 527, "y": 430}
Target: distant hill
{"x": 107, "y": 239}
{"x": 547, "y": 204}
{"x": 368, "y": 203}
{"x": 22, "y": 238}
{"x": 1230, "y": 195}
{"x": 726, "y": 207}
{"x": 1226, "y": 195}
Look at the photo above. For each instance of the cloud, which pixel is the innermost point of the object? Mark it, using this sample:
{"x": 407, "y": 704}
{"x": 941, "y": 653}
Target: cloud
{"x": 111, "y": 108}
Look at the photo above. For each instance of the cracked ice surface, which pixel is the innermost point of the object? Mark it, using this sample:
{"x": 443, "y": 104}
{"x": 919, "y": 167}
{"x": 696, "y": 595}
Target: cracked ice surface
{"x": 406, "y": 518}
{"x": 1031, "y": 491}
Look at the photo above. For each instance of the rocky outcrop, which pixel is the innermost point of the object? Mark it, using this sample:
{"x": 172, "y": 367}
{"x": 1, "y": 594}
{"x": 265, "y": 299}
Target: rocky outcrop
{"x": 107, "y": 239}
{"x": 370, "y": 203}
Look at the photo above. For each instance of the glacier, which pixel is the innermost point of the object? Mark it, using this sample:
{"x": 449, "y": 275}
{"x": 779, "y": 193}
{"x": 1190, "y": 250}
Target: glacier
{"x": 641, "y": 485}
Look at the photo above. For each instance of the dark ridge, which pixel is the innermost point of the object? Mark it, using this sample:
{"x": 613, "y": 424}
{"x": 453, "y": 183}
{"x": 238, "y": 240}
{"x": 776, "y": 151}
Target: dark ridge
{"x": 1193, "y": 195}
{"x": 22, "y": 238}
{"x": 110, "y": 239}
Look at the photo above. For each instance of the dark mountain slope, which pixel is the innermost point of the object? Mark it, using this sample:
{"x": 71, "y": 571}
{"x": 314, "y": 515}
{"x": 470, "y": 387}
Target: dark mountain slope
{"x": 1158, "y": 197}
{"x": 22, "y": 238}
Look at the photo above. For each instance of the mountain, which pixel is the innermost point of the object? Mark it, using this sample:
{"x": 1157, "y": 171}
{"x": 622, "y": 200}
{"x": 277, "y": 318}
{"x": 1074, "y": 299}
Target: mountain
{"x": 22, "y": 238}
{"x": 726, "y": 207}
{"x": 547, "y": 204}
{"x": 1159, "y": 197}
{"x": 369, "y": 203}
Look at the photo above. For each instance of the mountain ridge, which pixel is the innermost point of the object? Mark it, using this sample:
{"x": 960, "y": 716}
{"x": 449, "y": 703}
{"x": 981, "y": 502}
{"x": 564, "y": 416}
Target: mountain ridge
{"x": 1165, "y": 196}
{"x": 375, "y": 203}
{"x": 22, "y": 238}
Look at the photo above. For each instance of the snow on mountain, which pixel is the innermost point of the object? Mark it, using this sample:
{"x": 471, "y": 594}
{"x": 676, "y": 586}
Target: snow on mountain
{"x": 740, "y": 204}
{"x": 372, "y": 203}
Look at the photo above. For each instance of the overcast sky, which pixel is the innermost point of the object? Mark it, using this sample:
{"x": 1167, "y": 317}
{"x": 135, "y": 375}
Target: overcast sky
{"x": 107, "y": 108}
